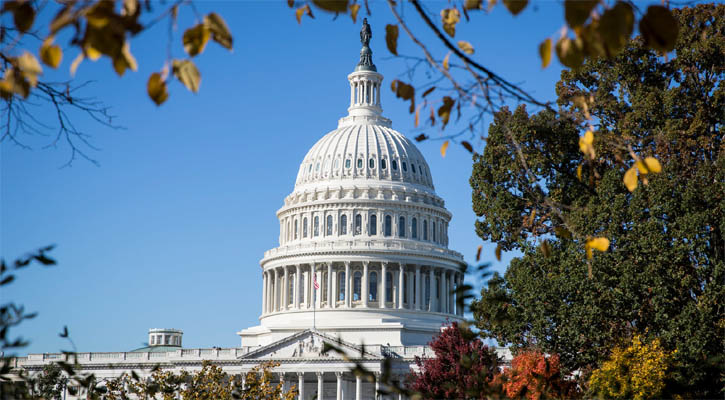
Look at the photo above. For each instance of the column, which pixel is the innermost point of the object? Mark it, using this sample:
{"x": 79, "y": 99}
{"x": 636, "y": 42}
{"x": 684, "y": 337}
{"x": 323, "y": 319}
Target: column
{"x": 297, "y": 287}
{"x": 348, "y": 304}
{"x": 301, "y": 384}
{"x": 444, "y": 291}
{"x": 401, "y": 278}
{"x": 352, "y": 94}
{"x": 338, "y": 375}
{"x": 410, "y": 279}
{"x": 358, "y": 388}
{"x": 451, "y": 295}
{"x": 319, "y": 386}
{"x": 335, "y": 286}
{"x": 306, "y": 288}
{"x": 458, "y": 294}
{"x": 317, "y": 292}
{"x": 431, "y": 289}
{"x": 418, "y": 287}
{"x": 330, "y": 300}
{"x": 285, "y": 288}
{"x": 264, "y": 292}
{"x": 383, "y": 281}
{"x": 364, "y": 288}
{"x": 377, "y": 386}
{"x": 275, "y": 291}
{"x": 282, "y": 382}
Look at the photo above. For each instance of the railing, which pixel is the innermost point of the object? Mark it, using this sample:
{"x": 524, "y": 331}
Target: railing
{"x": 362, "y": 244}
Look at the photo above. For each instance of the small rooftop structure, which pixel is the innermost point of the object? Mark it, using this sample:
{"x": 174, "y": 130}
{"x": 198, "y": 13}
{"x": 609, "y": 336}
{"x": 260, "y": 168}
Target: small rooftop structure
{"x": 162, "y": 340}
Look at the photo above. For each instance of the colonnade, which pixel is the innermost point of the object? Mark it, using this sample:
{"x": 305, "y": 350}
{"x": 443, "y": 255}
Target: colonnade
{"x": 364, "y": 92}
{"x": 298, "y": 379}
{"x": 361, "y": 284}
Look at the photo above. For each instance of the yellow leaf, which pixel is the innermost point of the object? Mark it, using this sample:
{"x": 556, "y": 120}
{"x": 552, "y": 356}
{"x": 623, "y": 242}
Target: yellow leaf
{"x": 653, "y": 165}
{"x": 195, "y": 39}
{"x": 219, "y": 30}
{"x": 444, "y": 148}
{"x": 545, "y": 53}
{"x": 51, "y": 54}
{"x": 76, "y": 62}
{"x": 586, "y": 144}
{"x": 450, "y": 17}
{"x": 30, "y": 67}
{"x": 641, "y": 167}
{"x": 600, "y": 243}
{"x": 417, "y": 115}
{"x": 354, "y": 8}
{"x": 156, "y": 88}
{"x": 187, "y": 73}
{"x": 498, "y": 251}
{"x": 391, "y": 38}
{"x": 579, "y": 172}
{"x": 465, "y": 47}
{"x": 92, "y": 53}
{"x": 478, "y": 252}
{"x": 446, "y": 60}
{"x": 124, "y": 60}
{"x": 300, "y": 12}
{"x": 630, "y": 179}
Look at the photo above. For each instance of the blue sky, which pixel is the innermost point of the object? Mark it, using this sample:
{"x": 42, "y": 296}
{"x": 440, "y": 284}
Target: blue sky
{"x": 169, "y": 229}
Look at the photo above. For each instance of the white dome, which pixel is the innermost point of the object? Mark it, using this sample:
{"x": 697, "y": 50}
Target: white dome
{"x": 364, "y": 152}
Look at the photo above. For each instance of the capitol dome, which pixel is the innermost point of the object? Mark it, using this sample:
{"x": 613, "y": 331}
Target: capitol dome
{"x": 363, "y": 246}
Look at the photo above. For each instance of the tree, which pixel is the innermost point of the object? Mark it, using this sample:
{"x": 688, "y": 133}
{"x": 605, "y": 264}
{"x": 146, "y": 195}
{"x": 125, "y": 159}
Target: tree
{"x": 542, "y": 189}
{"x": 96, "y": 29}
{"x": 635, "y": 371}
{"x": 49, "y": 384}
{"x": 534, "y": 375}
{"x": 463, "y": 367}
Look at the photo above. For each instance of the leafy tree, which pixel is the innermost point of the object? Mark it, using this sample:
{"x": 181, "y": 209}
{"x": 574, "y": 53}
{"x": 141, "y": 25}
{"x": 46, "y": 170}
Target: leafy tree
{"x": 463, "y": 367}
{"x": 534, "y": 375}
{"x": 542, "y": 189}
{"x": 49, "y": 384}
{"x": 636, "y": 371}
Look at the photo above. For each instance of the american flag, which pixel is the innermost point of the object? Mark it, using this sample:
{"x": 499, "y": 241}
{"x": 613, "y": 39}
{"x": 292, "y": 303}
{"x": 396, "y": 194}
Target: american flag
{"x": 314, "y": 280}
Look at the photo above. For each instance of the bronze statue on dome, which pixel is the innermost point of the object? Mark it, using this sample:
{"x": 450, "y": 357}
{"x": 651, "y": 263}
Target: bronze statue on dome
{"x": 365, "y": 33}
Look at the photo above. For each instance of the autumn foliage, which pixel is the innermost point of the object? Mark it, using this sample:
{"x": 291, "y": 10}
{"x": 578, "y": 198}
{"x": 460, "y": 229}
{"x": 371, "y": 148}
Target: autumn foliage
{"x": 534, "y": 375}
{"x": 463, "y": 367}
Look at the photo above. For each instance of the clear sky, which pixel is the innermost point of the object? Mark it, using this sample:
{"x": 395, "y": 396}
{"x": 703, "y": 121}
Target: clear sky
{"x": 168, "y": 231}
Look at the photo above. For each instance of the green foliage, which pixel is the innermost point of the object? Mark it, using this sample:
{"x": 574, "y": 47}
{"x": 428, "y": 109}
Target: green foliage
{"x": 665, "y": 267}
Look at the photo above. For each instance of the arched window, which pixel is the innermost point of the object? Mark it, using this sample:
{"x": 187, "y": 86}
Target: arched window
{"x": 414, "y": 228}
{"x": 405, "y": 167}
{"x": 316, "y": 227}
{"x": 389, "y": 286}
{"x": 304, "y": 227}
{"x": 388, "y": 225}
{"x": 412, "y": 167}
{"x": 383, "y": 164}
{"x": 296, "y": 229}
{"x": 440, "y": 226}
{"x": 438, "y": 288}
{"x": 289, "y": 231}
{"x": 328, "y": 231}
{"x": 425, "y": 229}
{"x": 347, "y": 163}
{"x": 358, "y": 224}
{"x": 341, "y": 285}
{"x": 373, "y": 286}
{"x": 357, "y": 285}
{"x": 317, "y": 166}
{"x": 337, "y": 163}
{"x": 395, "y": 165}
{"x": 371, "y": 163}
{"x": 359, "y": 162}
{"x": 343, "y": 224}
{"x": 434, "y": 231}
{"x": 291, "y": 293}
{"x": 153, "y": 339}
{"x": 401, "y": 227}
{"x": 405, "y": 288}
{"x": 373, "y": 225}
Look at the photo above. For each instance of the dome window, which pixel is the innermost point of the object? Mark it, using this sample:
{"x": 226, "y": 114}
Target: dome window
{"x": 414, "y": 228}
{"x": 425, "y": 229}
{"x": 359, "y": 163}
{"x": 412, "y": 167}
{"x": 388, "y": 226}
{"x": 304, "y": 227}
{"x": 373, "y": 225}
{"x": 389, "y": 287}
{"x": 328, "y": 231}
{"x": 347, "y": 163}
{"x": 317, "y": 167}
{"x": 310, "y": 169}
{"x": 341, "y": 285}
{"x": 316, "y": 227}
{"x": 343, "y": 225}
{"x": 371, "y": 163}
{"x": 358, "y": 224}
{"x": 394, "y": 163}
{"x": 383, "y": 164}
{"x": 401, "y": 226}
{"x": 434, "y": 231}
{"x": 337, "y": 163}
{"x": 373, "y": 287}
{"x": 405, "y": 167}
{"x": 357, "y": 285}
{"x": 296, "y": 229}
{"x": 327, "y": 164}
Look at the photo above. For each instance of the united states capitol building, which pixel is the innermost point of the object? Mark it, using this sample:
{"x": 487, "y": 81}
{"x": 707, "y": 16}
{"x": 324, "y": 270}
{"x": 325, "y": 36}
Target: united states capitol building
{"x": 363, "y": 263}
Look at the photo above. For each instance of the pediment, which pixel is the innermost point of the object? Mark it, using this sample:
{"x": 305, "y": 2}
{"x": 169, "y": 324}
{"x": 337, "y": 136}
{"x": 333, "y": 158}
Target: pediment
{"x": 307, "y": 344}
